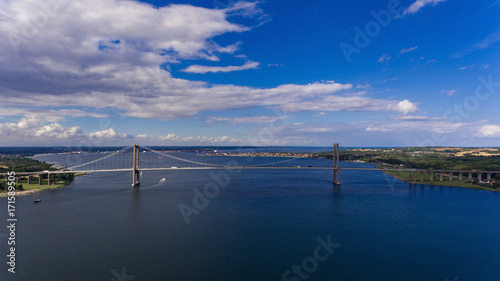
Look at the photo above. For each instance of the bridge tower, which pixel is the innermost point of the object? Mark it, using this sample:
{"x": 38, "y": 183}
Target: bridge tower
{"x": 135, "y": 166}
{"x": 336, "y": 164}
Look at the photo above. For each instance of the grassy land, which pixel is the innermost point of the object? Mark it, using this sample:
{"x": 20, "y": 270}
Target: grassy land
{"x": 35, "y": 187}
{"x": 405, "y": 176}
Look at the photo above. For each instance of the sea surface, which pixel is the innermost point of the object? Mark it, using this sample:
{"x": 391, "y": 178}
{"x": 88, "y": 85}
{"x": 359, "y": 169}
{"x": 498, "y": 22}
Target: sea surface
{"x": 253, "y": 225}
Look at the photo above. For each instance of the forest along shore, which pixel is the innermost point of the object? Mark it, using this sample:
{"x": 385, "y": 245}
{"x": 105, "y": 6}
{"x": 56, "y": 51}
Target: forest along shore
{"x": 431, "y": 158}
{"x": 19, "y": 163}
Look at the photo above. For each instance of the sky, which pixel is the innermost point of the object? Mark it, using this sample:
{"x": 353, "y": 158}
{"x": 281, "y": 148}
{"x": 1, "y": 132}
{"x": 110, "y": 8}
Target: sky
{"x": 229, "y": 73}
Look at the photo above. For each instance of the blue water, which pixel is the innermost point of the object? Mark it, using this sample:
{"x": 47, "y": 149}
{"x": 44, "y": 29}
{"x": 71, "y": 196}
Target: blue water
{"x": 258, "y": 226}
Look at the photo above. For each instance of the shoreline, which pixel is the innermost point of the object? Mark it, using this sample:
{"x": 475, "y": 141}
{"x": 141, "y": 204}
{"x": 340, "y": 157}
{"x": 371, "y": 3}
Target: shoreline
{"x": 462, "y": 183}
{"x": 34, "y": 190}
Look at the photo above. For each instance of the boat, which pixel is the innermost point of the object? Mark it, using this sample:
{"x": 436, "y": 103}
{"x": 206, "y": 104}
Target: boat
{"x": 37, "y": 198}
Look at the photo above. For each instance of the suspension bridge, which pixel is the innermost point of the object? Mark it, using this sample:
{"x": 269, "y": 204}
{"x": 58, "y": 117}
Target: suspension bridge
{"x": 137, "y": 158}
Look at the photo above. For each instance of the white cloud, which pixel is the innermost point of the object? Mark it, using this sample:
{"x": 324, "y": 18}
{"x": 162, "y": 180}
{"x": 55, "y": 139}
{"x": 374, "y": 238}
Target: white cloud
{"x": 378, "y": 129}
{"x": 406, "y": 106}
{"x": 487, "y": 42}
{"x": 365, "y": 86}
{"x": 114, "y": 62}
{"x": 350, "y": 103}
{"x": 109, "y": 134}
{"x": 384, "y": 58}
{"x": 249, "y": 120}
{"x": 48, "y": 115}
{"x": 408, "y": 50}
{"x": 170, "y": 137}
{"x": 214, "y": 69}
{"x": 32, "y": 131}
{"x": 415, "y": 118}
{"x": 419, "y": 4}
{"x": 494, "y": 4}
{"x": 319, "y": 114}
{"x": 388, "y": 80}
{"x": 467, "y": 67}
{"x": 490, "y": 131}
{"x": 449, "y": 92}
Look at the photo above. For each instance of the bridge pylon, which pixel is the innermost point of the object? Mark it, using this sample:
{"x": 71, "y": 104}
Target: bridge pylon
{"x": 135, "y": 166}
{"x": 336, "y": 164}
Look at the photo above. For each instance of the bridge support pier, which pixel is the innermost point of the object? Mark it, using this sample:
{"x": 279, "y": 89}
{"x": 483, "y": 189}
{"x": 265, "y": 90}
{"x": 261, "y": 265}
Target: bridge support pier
{"x": 336, "y": 164}
{"x": 29, "y": 179}
{"x": 479, "y": 175}
{"x": 488, "y": 176}
{"x": 135, "y": 167}
{"x": 40, "y": 179}
{"x": 421, "y": 176}
{"x": 451, "y": 176}
{"x": 441, "y": 176}
{"x": 460, "y": 176}
{"x": 470, "y": 176}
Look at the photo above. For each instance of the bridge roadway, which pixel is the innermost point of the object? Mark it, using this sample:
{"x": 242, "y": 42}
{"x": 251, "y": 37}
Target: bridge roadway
{"x": 244, "y": 167}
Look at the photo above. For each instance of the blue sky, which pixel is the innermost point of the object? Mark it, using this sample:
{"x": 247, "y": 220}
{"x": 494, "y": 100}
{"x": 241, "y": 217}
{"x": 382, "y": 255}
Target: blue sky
{"x": 304, "y": 73}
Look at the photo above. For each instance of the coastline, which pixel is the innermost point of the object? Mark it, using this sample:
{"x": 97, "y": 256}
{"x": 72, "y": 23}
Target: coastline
{"x": 34, "y": 190}
{"x": 404, "y": 177}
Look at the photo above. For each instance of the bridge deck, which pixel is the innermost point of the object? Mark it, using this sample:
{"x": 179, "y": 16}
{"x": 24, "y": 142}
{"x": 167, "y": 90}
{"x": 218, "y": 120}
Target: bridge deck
{"x": 248, "y": 168}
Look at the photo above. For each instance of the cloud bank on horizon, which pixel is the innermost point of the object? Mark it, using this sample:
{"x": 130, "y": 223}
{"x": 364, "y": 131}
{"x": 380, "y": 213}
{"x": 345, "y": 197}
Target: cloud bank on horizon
{"x": 107, "y": 72}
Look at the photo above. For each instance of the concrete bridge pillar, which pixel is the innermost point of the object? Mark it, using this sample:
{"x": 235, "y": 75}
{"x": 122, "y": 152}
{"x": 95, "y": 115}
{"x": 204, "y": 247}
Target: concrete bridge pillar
{"x": 440, "y": 176}
{"x": 29, "y": 179}
{"x": 488, "y": 176}
{"x": 40, "y": 179}
{"x": 135, "y": 167}
{"x": 479, "y": 175}
{"x": 451, "y": 176}
{"x": 421, "y": 176}
{"x": 336, "y": 164}
{"x": 432, "y": 176}
{"x": 470, "y": 176}
{"x": 48, "y": 179}
{"x": 460, "y": 176}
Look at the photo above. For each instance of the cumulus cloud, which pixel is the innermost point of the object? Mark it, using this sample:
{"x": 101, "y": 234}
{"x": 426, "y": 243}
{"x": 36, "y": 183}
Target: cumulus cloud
{"x": 419, "y": 4}
{"x": 32, "y": 131}
{"x": 490, "y": 131}
{"x": 405, "y": 107}
{"x": 109, "y": 134}
{"x": 170, "y": 137}
{"x": 109, "y": 53}
{"x": 214, "y": 69}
